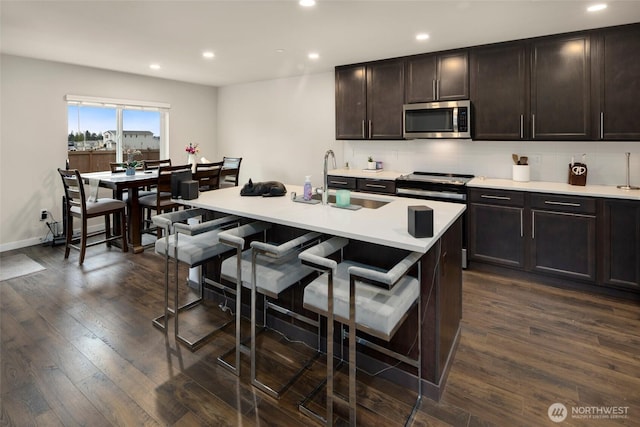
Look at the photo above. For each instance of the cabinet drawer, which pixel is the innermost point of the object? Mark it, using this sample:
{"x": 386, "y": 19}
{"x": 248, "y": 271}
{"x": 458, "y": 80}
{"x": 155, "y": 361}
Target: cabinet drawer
{"x": 497, "y": 197}
{"x": 556, "y": 202}
{"x": 341, "y": 182}
{"x": 376, "y": 185}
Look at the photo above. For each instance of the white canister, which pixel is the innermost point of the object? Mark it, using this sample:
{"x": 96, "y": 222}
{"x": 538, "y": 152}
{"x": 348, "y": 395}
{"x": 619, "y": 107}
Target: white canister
{"x": 521, "y": 173}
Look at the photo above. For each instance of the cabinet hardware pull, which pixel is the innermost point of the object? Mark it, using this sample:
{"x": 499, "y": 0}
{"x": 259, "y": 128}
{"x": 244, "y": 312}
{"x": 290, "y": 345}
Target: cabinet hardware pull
{"x": 487, "y": 196}
{"x": 437, "y": 90}
{"x": 370, "y": 129}
{"x": 521, "y": 224}
{"x": 601, "y": 125}
{"x": 533, "y": 225}
{"x": 550, "y": 202}
{"x": 433, "y": 90}
{"x": 339, "y": 182}
{"x": 375, "y": 185}
{"x": 521, "y": 126}
{"x": 533, "y": 126}
{"x": 363, "y": 135}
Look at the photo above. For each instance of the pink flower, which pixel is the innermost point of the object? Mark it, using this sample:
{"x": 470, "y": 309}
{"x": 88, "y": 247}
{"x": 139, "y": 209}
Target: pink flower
{"x": 192, "y": 149}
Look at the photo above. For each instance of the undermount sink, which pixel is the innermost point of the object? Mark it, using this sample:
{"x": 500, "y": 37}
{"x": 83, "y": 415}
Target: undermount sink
{"x": 365, "y": 203}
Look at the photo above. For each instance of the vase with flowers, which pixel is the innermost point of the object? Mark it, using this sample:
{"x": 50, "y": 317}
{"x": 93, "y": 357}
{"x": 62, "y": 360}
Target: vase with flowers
{"x": 131, "y": 163}
{"x": 192, "y": 150}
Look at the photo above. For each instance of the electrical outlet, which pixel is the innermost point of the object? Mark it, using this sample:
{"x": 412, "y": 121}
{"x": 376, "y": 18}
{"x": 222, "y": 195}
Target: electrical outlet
{"x": 43, "y": 214}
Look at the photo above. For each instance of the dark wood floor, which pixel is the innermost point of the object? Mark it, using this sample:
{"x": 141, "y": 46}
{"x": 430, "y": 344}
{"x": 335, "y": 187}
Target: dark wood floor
{"x": 78, "y": 348}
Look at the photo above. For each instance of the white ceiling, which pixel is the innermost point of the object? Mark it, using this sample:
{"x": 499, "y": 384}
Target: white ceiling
{"x": 245, "y": 35}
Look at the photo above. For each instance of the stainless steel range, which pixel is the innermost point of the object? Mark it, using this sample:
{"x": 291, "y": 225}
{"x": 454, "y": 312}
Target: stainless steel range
{"x": 444, "y": 187}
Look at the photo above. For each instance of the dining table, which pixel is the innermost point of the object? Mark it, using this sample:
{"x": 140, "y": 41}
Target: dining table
{"x": 119, "y": 182}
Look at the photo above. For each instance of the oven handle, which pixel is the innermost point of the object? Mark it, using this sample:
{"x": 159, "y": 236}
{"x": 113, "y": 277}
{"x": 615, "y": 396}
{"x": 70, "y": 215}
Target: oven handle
{"x": 435, "y": 194}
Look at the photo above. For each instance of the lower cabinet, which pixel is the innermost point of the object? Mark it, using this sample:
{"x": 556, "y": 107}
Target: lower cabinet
{"x": 367, "y": 185}
{"x": 620, "y": 226}
{"x": 496, "y": 227}
{"x": 595, "y": 241}
{"x": 563, "y": 242}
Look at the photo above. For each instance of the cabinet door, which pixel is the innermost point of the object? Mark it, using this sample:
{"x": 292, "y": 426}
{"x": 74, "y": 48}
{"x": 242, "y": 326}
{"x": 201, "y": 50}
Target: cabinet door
{"x": 499, "y": 92}
{"x": 621, "y": 244}
{"x": 453, "y": 76}
{"x": 351, "y": 102}
{"x": 560, "y": 91}
{"x": 421, "y": 79}
{"x": 437, "y": 77}
{"x": 496, "y": 234}
{"x": 620, "y": 84}
{"x": 563, "y": 244}
{"x": 385, "y": 96}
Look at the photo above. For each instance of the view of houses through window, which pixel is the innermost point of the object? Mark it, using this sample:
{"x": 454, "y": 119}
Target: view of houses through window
{"x": 99, "y": 135}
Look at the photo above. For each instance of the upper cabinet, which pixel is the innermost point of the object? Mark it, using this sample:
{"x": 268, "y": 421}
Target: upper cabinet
{"x": 500, "y": 92}
{"x": 560, "y": 88}
{"x": 617, "y": 90}
{"x": 369, "y": 100}
{"x": 437, "y": 77}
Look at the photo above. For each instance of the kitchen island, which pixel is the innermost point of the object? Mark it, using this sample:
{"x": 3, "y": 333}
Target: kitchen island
{"x": 377, "y": 236}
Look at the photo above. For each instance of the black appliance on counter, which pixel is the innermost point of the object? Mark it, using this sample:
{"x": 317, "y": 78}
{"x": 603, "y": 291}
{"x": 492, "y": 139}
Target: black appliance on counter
{"x": 443, "y": 187}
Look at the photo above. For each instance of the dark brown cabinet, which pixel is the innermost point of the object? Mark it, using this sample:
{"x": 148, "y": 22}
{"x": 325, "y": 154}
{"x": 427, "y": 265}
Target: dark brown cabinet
{"x": 437, "y": 77}
{"x": 369, "y": 100}
{"x": 500, "y": 92}
{"x": 366, "y": 185}
{"x": 560, "y": 88}
{"x": 496, "y": 228}
{"x": 563, "y": 236}
{"x": 617, "y": 97}
{"x": 620, "y": 226}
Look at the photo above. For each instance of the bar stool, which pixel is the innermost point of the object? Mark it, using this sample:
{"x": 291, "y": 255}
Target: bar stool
{"x": 365, "y": 298}
{"x": 194, "y": 245}
{"x": 270, "y": 269}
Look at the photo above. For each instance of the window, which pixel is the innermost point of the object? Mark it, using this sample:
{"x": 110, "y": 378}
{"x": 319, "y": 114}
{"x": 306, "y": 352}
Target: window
{"x": 101, "y": 130}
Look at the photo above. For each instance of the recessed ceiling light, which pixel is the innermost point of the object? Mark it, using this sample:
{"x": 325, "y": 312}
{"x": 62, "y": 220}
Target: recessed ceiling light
{"x": 208, "y": 54}
{"x": 422, "y": 36}
{"x": 597, "y": 7}
{"x": 154, "y": 66}
{"x": 279, "y": 50}
{"x": 307, "y": 3}
{"x": 313, "y": 55}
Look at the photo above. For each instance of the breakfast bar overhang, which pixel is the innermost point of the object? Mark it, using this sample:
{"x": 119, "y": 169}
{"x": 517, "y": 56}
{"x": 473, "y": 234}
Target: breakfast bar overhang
{"x": 377, "y": 235}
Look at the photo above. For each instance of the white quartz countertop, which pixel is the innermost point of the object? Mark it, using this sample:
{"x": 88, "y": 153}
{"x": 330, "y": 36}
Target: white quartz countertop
{"x": 386, "y": 225}
{"x": 362, "y": 173}
{"x": 608, "y": 191}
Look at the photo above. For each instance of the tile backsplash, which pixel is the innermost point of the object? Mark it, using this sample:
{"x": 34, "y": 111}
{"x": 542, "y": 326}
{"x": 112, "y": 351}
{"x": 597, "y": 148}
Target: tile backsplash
{"x": 606, "y": 161}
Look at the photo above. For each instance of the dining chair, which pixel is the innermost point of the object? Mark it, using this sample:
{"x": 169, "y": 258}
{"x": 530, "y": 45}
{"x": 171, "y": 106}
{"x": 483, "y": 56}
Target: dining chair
{"x": 194, "y": 245}
{"x": 77, "y": 205}
{"x": 269, "y": 269}
{"x": 369, "y": 299}
{"x": 160, "y": 201}
{"x": 208, "y": 175}
{"x": 155, "y": 164}
{"x": 231, "y": 172}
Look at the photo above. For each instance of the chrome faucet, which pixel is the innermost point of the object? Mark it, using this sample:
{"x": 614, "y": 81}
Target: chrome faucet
{"x": 325, "y": 188}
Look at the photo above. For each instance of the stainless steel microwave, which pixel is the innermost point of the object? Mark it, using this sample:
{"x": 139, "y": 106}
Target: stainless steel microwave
{"x": 450, "y": 119}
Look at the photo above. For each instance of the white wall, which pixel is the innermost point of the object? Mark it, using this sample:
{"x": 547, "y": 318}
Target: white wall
{"x": 33, "y": 134}
{"x": 606, "y": 162}
{"x": 281, "y": 128}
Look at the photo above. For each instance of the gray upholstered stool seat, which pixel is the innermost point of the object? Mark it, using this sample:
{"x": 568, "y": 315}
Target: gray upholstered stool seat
{"x": 368, "y": 299}
{"x": 377, "y": 309}
{"x": 274, "y": 274}
{"x": 191, "y": 244}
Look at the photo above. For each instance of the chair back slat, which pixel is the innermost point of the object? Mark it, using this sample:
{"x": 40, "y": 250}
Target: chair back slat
{"x": 232, "y": 175}
{"x": 208, "y": 175}
{"x": 73, "y": 188}
{"x": 156, "y": 164}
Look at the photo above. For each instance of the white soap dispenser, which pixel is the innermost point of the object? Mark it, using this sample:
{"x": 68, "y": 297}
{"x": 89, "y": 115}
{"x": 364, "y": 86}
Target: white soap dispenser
{"x": 308, "y": 192}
